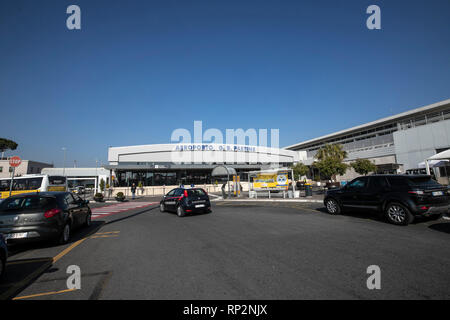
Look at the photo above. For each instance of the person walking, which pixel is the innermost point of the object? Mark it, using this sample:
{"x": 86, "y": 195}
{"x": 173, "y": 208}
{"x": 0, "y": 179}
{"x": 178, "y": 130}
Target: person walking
{"x": 133, "y": 191}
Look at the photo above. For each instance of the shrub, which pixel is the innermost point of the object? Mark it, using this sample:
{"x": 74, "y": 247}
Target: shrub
{"x": 98, "y": 197}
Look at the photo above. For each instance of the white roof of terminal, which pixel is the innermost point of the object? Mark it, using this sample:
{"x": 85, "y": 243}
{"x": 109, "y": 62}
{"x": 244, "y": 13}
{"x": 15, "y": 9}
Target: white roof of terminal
{"x": 75, "y": 172}
{"x": 376, "y": 122}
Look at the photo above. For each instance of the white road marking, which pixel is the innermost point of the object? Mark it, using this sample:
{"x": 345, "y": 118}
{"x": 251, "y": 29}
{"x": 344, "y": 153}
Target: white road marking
{"x": 117, "y": 208}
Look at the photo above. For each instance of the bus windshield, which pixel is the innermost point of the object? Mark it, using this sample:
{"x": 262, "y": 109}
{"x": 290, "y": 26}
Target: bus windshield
{"x": 56, "y": 180}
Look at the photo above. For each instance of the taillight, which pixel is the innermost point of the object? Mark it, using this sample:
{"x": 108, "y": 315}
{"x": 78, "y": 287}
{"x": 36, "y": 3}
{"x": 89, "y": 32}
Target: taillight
{"x": 185, "y": 193}
{"x": 51, "y": 213}
{"x": 418, "y": 192}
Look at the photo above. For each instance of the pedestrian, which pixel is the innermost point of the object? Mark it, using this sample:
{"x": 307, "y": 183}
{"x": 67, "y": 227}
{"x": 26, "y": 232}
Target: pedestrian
{"x": 133, "y": 191}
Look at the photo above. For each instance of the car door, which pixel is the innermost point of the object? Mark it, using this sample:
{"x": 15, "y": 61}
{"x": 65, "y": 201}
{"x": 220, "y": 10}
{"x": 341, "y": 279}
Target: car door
{"x": 170, "y": 200}
{"x": 372, "y": 196}
{"x": 352, "y": 195}
{"x": 177, "y": 196}
{"x": 84, "y": 209}
{"x": 73, "y": 209}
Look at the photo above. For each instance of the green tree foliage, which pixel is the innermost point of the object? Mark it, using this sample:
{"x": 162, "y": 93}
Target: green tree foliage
{"x": 363, "y": 166}
{"x": 330, "y": 161}
{"x": 300, "y": 170}
{"x": 334, "y": 151}
{"x": 6, "y": 144}
{"x": 102, "y": 185}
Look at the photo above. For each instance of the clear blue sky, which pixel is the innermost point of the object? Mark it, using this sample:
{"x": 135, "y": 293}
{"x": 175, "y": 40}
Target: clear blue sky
{"x": 139, "y": 69}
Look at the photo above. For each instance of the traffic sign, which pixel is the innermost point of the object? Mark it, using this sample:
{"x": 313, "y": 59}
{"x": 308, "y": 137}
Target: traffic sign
{"x": 15, "y": 161}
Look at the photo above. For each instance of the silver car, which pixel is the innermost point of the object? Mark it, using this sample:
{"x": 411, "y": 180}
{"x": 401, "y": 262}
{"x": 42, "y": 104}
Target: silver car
{"x": 3, "y": 255}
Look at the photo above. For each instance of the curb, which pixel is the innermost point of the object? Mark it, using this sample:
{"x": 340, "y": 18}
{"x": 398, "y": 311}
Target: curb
{"x": 270, "y": 200}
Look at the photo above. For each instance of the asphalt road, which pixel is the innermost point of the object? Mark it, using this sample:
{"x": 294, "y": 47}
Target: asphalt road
{"x": 239, "y": 251}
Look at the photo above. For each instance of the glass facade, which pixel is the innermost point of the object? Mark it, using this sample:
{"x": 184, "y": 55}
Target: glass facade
{"x": 125, "y": 178}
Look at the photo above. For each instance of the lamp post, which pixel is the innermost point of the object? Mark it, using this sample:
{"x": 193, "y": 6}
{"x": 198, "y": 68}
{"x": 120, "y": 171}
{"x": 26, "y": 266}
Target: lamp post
{"x": 64, "y": 163}
{"x": 96, "y": 176}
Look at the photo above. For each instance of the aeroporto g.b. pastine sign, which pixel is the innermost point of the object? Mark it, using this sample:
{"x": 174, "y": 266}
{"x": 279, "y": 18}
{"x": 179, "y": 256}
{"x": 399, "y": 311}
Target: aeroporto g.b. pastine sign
{"x": 213, "y": 147}
{"x": 246, "y": 144}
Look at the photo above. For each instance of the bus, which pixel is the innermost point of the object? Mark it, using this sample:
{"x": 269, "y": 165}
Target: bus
{"x": 32, "y": 183}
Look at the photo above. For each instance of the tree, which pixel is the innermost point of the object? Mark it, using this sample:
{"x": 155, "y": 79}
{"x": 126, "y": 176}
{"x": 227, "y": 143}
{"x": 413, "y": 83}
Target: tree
{"x": 330, "y": 162}
{"x": 331, "y": 151}
{"x": 363, "y": 166}
{"x": 102, "y": 185}
{"x": 300, "y": 170}
{"x": 6, "y": 144}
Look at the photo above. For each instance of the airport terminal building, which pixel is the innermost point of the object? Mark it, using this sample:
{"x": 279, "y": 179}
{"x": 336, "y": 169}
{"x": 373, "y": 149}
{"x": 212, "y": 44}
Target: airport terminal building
{"x": 396, "y": 144}
{"x": 173, "y": 164}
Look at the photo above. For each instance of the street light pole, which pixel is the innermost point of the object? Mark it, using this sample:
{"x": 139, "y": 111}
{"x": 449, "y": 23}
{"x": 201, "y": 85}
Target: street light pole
{"x": 96, "y": 176}
{"x": 64, "y": 163}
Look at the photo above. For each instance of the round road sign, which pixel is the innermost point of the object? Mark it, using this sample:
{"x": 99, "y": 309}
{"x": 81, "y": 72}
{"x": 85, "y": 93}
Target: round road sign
{"x": 15, "y": 161}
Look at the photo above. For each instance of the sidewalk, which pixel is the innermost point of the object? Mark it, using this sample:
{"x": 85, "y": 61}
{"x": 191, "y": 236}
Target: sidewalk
{"x": 244, "y": 198}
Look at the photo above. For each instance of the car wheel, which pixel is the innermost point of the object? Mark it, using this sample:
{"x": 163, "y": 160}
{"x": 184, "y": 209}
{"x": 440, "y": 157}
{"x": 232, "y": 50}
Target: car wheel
{"x": 398, "y": 214}
{"x": 65, "y": 235}
{"x": 332, "y": 206}
{"x": 161, "y": 207}
{"x": 2, "y": 265}
{"x": 180, "y": 211}
{"x": 88, "y": 221}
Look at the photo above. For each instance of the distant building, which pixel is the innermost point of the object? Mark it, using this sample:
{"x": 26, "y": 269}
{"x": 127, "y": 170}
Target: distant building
{"x": 86, "y": 177}
{"x": 158, "y": 164}
{"x": 26, "y": 167}
{"x": 396, "y": 144}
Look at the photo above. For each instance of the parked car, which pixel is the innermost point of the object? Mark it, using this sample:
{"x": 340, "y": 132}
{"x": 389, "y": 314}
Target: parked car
{"x": 401, "y": 198}
{"x": 79, "y": 190}
{"x": 183, "y": 201}
{"x": 45, "y": 215}
{"x": 3, "y": 255}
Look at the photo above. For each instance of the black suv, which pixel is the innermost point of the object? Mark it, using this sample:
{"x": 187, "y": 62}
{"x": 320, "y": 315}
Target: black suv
{"x": 182, "y": 201}
{"x": 400, "y": 198}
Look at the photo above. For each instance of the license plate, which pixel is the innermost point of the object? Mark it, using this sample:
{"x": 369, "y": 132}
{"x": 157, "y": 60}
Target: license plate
{"x": 438, "y": 193}
{"x": 17, "y": 235}
{"x": 199, "y": 205}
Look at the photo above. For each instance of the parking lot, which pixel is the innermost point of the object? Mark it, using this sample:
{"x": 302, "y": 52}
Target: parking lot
{"x": 242, "y": 250}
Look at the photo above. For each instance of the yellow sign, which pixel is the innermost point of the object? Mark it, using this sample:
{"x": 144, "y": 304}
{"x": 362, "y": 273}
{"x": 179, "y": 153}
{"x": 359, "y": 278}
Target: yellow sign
{"x": 55, "y": 188}
{"x": 5, "y": 194}
{"x": 236, "y": 181}
{"x": 277, "y": 180}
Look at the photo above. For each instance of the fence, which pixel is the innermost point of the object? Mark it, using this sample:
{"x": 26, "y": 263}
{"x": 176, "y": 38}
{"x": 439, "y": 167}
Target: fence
{"x": 156, "y": 190}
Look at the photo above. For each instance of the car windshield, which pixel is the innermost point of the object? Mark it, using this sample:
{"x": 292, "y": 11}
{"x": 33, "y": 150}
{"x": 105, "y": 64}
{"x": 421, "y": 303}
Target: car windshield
{"x": 11, "y": 204}
{"x": 196, "y": 192}
{"x": 27, "y": 203}
{"x": 423, "y": 182}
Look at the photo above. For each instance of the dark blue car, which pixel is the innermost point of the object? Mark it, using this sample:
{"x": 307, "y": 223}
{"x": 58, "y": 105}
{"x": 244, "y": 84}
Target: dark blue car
{"x": 184, "y": 201}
